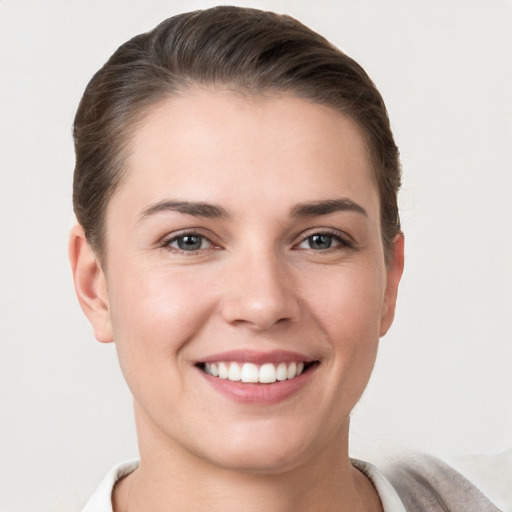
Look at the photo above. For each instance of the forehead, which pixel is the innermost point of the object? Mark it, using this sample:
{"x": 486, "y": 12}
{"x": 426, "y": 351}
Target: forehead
{"x": 217, "y": 145}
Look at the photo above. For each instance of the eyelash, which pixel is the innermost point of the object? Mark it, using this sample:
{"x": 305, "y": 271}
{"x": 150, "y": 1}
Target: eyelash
{"x": 167, "y": 244}
{"x": 342, "y": 241}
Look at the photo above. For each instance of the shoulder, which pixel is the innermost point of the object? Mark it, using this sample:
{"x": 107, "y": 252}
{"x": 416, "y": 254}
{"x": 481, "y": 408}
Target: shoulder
{"x": 425, "y": 483}
{"x": 101, "y": 500}
{"x": 389, "y": 498}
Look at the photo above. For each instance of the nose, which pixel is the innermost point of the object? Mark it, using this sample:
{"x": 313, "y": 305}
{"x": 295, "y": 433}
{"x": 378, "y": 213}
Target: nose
{"x": 260, "y": 293}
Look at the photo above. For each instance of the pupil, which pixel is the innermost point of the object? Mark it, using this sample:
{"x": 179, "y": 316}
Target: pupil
{"x": 321, "y": 241}
{"x": 189, "y": 243}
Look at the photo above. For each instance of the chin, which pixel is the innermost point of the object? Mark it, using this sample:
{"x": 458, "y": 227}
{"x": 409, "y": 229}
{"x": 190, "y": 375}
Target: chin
{"x": 258, "y": 450}
{"x": 252, "y": 460}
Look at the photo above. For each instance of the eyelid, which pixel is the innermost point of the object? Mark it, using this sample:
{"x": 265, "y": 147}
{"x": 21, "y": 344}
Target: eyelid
{"x": 213, "y": 241}
{"x": 344, "y": 238}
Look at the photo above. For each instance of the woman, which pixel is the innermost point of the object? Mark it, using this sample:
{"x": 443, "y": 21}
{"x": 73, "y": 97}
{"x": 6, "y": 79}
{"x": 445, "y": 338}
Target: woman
{"x": 239, "y": 240}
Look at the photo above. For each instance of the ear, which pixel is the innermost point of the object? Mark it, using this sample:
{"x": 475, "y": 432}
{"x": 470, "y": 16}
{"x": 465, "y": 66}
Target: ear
{"x": 90, "y": 285}
{"x": 395, "y": 268}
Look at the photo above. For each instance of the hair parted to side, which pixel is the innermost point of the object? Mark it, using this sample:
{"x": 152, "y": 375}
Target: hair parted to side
{"x": 248, "y": 50}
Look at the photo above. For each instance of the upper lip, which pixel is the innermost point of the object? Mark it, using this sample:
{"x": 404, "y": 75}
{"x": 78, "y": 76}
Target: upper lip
{"x": 257, "y": 357}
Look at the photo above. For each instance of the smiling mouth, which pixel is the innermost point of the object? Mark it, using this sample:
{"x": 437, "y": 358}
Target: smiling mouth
{"x": 267, "y": 373}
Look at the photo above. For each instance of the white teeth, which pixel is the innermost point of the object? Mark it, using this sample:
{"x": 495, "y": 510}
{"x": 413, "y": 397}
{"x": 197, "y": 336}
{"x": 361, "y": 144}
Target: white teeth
{"x": 234, "y": 372}
{"x": 223, "y": 371}
{"x": 267, "y": 373}
{"x": 292, "y": 370}
{"x": 249, "y": 373}
{"x": 281, "y": 372}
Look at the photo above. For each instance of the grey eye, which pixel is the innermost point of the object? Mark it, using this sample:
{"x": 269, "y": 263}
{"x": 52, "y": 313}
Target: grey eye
{"x": 320, "y": 241}
{"x": 189, "y": 242}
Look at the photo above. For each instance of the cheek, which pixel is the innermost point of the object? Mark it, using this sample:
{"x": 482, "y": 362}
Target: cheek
{"x": 348, "y": 303}
{"x": 155, "y": 312}
{"x": 347, "y": 306}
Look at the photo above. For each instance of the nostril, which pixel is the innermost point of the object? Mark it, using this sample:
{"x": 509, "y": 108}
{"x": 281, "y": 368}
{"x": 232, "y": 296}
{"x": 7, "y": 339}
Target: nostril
{"x": 260, "y": 314}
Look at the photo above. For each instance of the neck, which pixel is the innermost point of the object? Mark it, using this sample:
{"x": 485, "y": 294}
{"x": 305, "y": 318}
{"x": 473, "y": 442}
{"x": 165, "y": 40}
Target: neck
{"x": 170, "y": 479}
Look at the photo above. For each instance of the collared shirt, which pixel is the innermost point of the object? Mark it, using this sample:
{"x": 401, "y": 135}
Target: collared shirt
{"x": 101, "y": 500}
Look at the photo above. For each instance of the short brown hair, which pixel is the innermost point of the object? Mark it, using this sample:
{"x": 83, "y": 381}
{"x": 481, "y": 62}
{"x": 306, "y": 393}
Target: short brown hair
{"x": 246, "y": 49}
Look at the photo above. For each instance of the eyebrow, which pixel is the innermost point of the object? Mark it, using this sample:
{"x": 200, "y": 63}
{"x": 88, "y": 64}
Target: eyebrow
{"x": 327, "y": 206}
{"x": 212, "y": 211}
{"x": 197, "y": 209}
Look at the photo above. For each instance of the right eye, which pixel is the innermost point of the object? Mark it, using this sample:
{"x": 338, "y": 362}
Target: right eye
{"x": 320, "y": 242}
{"x": 189, "y": 242}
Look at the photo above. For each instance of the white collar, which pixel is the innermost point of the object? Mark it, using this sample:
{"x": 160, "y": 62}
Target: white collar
{"x": 101, "y": 500}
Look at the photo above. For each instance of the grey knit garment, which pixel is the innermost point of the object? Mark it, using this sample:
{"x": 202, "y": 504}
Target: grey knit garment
{"x": 426, "y": 484}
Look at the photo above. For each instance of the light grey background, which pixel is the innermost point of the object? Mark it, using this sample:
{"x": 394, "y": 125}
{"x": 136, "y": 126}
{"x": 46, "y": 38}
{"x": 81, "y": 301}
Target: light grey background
{"x": 443, "y": 381}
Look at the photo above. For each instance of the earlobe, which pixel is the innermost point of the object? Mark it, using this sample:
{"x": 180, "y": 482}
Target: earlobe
{"x": 90, "y": 284}
{"x": 395, "y": 269}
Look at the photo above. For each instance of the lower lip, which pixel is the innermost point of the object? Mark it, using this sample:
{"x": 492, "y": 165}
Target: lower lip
{"x": 259, "y": 394}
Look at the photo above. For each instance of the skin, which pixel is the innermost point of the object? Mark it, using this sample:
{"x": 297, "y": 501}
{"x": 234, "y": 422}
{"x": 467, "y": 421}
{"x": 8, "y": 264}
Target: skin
{"x": 258, "y": 283}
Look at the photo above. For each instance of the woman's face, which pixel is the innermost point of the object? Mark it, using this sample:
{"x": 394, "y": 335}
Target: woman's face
{"x": 245, "y": 240}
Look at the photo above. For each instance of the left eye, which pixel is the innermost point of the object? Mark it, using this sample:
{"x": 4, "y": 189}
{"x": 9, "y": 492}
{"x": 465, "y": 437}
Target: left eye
{"x": 321, "y": 242}
{"x": 189, "y": 242}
